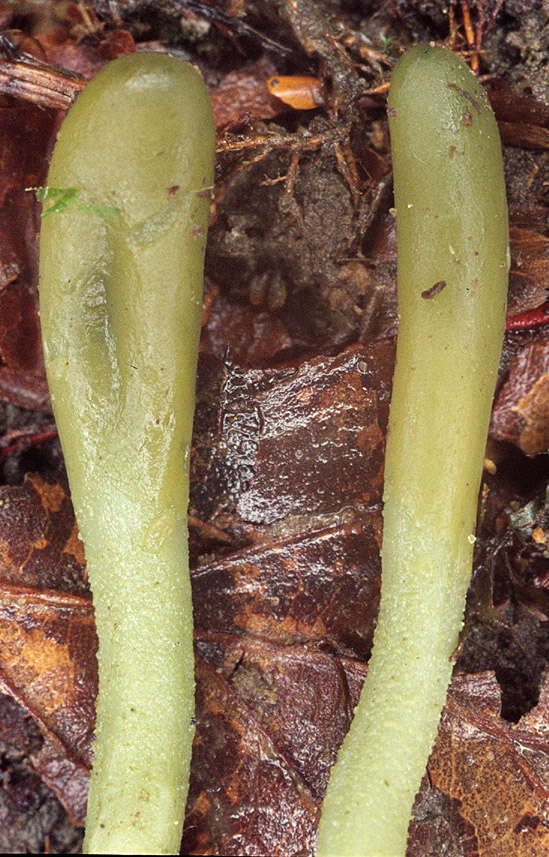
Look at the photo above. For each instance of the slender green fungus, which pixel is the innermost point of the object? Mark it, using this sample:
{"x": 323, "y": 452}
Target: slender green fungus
{"x": 121, "y": 271}
{"x": 452, "y": 243}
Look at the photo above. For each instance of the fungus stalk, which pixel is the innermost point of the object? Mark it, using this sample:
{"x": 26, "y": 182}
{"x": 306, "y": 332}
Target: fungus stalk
{"x": 121, "y": 271}
{"x": 452, "y": 243}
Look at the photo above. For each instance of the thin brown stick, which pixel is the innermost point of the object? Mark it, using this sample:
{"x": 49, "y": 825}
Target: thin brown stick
{"x": 39, "y": 84}
{"x": 281, "y": 141}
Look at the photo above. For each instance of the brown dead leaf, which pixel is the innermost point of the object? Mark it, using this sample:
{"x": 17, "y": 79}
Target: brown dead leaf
{"x": 25, "y": 135}
{"x": 495, "y": 774}
{"x": 242, "y": 97}
{"x": 524, "y": 136}
{"x": 521, "y": 410}
{"x": 529, "y": 274}
{"x": 259, "y": 804}
{"x": 321, "y": 589}
{"x": 87, "y": 57}
{"x": 289, "y": 448}
{"x": 48, "y": 662}
{"x": 39, "y": 544}
{"x": 250, "y": 337}
{"x": 534, "y": 409}
{"x": 511, "y": 105}
{"x": 47, "y": 632}
{"x": 48, "y": 665}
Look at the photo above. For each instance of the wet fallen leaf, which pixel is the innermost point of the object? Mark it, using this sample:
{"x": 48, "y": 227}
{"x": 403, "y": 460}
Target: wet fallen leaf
{"x": 495, "y": 774}
{"x": 521, "y": 410}
{"x": 242, "y": 97}
{"x": 290, "y": 448}
{"x": 529, "y": 273}
{"x": 25, "y": 133}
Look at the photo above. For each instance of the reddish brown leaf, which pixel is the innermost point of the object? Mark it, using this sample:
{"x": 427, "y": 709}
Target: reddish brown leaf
{"x": 293, "y": 447}
{"x": 243, "y": 97}
{"x": 529, "y": 275}
{"x": 270, "y": 720}
{"x": 496, "y": 774}
{"x": 25, "y": 134}
{"x": 39, "y": 544}
{"x": 47, "y": 631}
{"x": 64, "y": 776}
{"x": 524, "y": 136}
{"x": 521, "y": 411}
{"x": 83, "y": 58}
{"x": 255, "y": 802}
{"x": 302, "y": 696}
{"x": 512, "y": 106}
{"x": 249, "y": 336}
{"x": 48, "y": 663}
{"x": 320, "y": 589}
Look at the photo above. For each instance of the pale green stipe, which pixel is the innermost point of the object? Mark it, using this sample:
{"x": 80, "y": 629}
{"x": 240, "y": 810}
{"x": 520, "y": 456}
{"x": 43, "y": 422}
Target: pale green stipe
{"x": 121, "y": 272}
{"x": 452, "y": 229}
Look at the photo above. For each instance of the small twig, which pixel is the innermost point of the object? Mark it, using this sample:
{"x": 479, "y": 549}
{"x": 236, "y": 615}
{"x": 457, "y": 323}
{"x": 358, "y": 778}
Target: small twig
{"x": 347, "y": 167}
{"x": 24, "y": 439}
{"x": 473, "y": 39}
{"x": 208, "y": 531}
{"x": 240, "y": 27}
{"x": 382, "y": 89}
{"x": 301, "y": 142}
{"x": 39, "y": 83}
{"x": 530, "y": 318}
{"x": 288, "y": 203}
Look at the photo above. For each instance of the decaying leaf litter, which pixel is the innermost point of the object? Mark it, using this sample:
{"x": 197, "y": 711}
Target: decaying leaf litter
{"x": 294, "y": 386}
